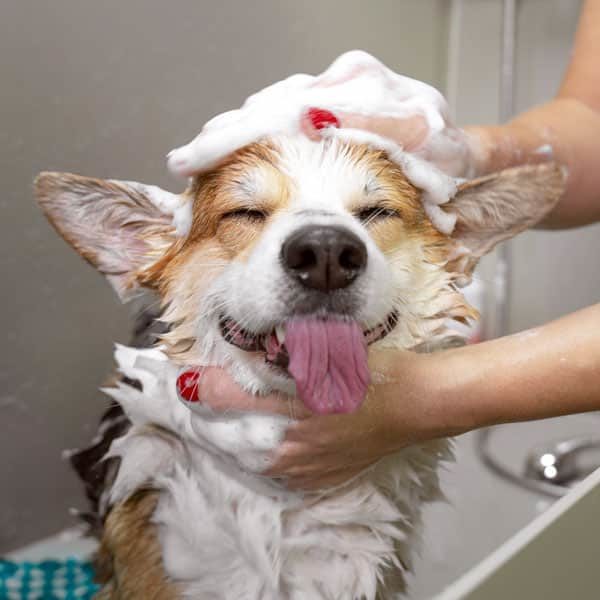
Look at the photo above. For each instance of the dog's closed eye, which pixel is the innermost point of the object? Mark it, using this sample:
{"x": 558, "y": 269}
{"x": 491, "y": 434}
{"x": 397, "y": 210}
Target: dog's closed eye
{"x": 370, "y": 214}
{"x": 251, "y": 215}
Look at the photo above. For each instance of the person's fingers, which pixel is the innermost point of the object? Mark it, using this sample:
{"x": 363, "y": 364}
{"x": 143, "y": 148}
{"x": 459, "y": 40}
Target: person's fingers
{"x": 302, "y": 466}
{"x": 217, "y": 389}
{"x": 324, "y": 481}
{"x": 410, "y": 133}
{"x": 456, "y": 152}
{"x": 314, "y": 119}
{"x": 323, "y": 431}
{"x": 293, "y": 470}
{"x": 306, "y": 471}
{"x": 291, "y": 458}
{"x": 301, "y": 434}
{"x": 235, "y": 129}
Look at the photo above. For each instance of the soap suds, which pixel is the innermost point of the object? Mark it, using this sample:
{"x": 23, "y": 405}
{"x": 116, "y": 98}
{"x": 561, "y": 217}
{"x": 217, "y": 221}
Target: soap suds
{"x": 355, "y": 83}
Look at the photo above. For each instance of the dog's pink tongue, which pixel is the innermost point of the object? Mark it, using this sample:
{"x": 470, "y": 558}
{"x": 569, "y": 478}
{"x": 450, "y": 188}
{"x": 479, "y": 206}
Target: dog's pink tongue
{"x": 328, "y": 360}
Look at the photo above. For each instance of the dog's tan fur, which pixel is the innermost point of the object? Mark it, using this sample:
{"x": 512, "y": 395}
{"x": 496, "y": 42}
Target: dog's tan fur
{"x": 214, "y": 240}
{"x": 217, "y": 193}
{"x": 129, "y": 561}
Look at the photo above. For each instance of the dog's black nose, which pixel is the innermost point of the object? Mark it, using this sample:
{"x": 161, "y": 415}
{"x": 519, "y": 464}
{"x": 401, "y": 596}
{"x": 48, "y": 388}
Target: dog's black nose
{"x": 324, "y": 258}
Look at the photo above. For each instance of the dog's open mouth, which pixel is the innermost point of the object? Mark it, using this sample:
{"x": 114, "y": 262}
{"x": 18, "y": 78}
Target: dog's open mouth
{"x": 326, "y": 356}
{"x": 273, "y": 342}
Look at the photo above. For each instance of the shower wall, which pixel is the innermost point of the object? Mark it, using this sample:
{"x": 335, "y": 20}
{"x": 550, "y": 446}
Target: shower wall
{"x": 106, "y": 89}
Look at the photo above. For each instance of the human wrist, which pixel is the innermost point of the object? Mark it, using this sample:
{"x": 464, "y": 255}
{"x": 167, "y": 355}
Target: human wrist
{"x": 528, "y": 138}
{"x": 424, "y": 394}
{"x": 480, "y": 144}
{"x": 449, "y": 381}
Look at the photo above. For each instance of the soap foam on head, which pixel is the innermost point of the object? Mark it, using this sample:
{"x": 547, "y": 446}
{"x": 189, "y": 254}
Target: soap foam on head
{"x": 354, "y": 83}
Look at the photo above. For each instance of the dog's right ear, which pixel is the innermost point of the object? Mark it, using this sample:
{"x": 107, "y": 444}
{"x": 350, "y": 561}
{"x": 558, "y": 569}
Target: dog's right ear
{"x": 119, "y": 227}
{"x": 496, "y": 207}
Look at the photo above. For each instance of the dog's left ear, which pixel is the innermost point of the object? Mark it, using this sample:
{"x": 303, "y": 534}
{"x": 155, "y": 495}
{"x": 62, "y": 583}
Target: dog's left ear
{"x": 119, "y": 227}
{"x": 494, "y": 208}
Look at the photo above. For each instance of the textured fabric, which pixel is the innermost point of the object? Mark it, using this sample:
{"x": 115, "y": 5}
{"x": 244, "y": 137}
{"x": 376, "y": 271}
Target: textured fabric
{"x": 70, "y": 579}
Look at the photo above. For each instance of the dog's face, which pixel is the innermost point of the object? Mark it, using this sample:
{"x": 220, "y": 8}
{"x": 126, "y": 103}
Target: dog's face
{"x": 290, "y": 236}
{"x": 296, "y": 229}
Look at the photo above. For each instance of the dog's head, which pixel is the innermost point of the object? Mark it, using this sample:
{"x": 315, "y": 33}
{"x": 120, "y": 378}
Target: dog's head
{"x": 294, "y": 256}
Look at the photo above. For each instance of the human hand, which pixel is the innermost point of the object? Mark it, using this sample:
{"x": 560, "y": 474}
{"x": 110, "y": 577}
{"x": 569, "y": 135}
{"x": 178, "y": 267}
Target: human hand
{"x": 324, "y": 451}
{"x": 356, "y": 92}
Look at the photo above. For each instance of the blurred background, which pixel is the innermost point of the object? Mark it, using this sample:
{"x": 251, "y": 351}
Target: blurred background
{"x": 108, "y": 88}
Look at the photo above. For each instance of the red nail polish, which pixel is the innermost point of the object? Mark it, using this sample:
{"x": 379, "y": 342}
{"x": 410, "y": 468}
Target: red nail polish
{"x": 187, "y": 385}
{"x": 321, "y": 118}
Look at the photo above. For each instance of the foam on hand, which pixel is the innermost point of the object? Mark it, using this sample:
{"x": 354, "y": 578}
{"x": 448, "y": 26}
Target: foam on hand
{"x": 355, "y": 83}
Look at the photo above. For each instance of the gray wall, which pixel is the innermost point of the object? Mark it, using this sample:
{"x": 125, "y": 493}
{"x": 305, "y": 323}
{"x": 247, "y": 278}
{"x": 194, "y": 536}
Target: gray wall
{"x": 106, "y": 89}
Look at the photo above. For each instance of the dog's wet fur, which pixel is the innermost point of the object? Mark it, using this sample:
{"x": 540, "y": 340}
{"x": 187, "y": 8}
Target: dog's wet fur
{"x": 229, "y": 263}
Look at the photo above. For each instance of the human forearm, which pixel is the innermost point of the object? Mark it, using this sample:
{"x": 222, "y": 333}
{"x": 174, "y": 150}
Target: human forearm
{"x": 545, "y": 372}
{"x": 565, "y": 130}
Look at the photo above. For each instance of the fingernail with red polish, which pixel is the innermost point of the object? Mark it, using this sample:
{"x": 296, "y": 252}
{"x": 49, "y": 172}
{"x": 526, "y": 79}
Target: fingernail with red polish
{"x": 187, "y": 385}
{"x": 321, "y": 118}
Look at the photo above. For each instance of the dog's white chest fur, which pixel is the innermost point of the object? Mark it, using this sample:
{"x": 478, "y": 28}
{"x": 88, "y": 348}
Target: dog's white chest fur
{"x": 228, "y": 533}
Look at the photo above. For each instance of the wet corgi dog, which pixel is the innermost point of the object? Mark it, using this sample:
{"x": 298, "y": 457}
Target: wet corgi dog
{"x": 285, "y": 265}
